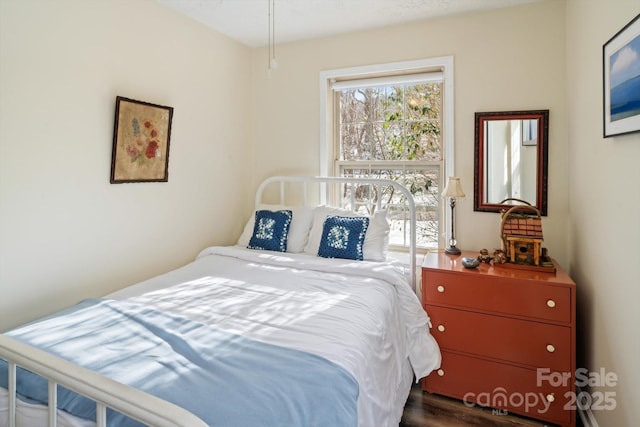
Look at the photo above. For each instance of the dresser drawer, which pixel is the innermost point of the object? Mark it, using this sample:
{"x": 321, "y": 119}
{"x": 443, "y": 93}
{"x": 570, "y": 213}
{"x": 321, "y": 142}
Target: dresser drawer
{"x": 495, "y": 294}
{"x": 517, "y": 341}
{"x": 499, "y": 386}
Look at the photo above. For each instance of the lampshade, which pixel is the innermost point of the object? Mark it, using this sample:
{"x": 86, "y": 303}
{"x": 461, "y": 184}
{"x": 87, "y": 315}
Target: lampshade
{"x": 453, "y": 189}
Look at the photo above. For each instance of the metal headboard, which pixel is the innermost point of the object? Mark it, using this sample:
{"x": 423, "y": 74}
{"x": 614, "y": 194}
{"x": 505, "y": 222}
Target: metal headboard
{"x": 306, "y": 181}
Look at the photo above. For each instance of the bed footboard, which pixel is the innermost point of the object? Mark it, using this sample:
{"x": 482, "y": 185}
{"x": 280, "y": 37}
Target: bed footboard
{"x": 105, "y": 392}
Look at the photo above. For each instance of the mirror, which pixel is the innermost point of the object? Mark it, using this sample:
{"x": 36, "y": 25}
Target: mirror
{"x": 511, "y": 160}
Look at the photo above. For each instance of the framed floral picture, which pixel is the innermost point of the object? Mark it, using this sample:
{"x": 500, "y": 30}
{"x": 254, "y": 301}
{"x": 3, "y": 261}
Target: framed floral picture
{"x": 141, "y": 136}
{"x": 621, "y": 81}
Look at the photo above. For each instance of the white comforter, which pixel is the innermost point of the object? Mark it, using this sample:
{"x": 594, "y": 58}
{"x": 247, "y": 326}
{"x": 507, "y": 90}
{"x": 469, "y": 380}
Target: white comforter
{"x": 361, "y": 315}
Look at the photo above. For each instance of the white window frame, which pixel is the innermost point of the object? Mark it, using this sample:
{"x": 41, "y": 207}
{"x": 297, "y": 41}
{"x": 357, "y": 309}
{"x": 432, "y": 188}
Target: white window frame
{"x": 328, "y": 114}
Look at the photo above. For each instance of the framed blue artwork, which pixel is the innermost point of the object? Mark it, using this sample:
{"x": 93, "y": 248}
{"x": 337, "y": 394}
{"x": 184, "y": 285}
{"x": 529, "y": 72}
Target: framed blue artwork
{"x": 621, "y": 81}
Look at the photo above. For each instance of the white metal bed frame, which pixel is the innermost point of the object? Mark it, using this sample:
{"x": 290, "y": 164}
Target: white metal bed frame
{"x": 107, "y": 393}
{"x": 132, "y": 402}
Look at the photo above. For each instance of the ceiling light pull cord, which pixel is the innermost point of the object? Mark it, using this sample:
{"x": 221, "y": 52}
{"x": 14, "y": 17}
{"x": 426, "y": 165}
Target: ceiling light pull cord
{"x": 272, "y": 64}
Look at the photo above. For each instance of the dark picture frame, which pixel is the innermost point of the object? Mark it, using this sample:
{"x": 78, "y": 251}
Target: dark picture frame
{"x": 621, "y": 81}
{"x": 141, "y": 137}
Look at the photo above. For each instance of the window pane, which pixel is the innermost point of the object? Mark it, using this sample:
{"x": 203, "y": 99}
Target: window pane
{"x": 424, "y": 101}
{"x": 393, "y": 104}
{"x": 388, "y": 146}
{"x": 355, "y": 146}
{"x": 361, "y": 105}
{"x": 391, "y": 123}
{"x": 351, "y": 107}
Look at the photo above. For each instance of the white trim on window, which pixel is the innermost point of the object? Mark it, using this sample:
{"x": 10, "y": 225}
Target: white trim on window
{"x": 328, "y": 78}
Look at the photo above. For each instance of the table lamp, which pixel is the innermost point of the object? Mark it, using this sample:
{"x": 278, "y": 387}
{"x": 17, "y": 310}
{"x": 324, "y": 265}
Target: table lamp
{"x": 453, "y": 191}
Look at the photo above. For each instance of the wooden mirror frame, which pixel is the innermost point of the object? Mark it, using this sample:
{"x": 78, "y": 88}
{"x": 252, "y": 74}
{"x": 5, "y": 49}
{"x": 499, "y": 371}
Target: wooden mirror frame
{"x": 542, "y": 158}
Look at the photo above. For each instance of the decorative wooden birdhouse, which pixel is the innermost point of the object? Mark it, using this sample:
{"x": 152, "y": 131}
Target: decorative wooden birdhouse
{"x": 522, "y": 235}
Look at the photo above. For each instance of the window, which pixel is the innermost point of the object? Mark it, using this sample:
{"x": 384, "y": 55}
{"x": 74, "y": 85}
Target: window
{"x": 392, "y": 121}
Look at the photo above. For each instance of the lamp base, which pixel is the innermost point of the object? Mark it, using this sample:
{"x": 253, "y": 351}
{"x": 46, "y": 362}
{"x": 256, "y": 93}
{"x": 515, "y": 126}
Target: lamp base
{"x": 452, "y": 250}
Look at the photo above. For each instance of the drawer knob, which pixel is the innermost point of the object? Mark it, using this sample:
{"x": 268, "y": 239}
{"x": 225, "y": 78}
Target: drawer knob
{"x": 550, "y": 397}
{"x": 441, "y": 372}
{"x": 441, "y": 328}
{"x": 440, "y": 288}
{"x": 550, "y": 348}
{"x": 551, "y": 303}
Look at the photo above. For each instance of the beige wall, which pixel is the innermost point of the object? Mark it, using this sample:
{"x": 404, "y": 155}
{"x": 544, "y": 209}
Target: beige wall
{"x": 604, "y": 212}
{"x": 65, "y": 232}
{"x": 504, "y": 60}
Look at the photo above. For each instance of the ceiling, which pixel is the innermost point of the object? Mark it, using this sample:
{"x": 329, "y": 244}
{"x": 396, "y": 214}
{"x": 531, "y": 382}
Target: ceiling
{"x": 247, "y": 20}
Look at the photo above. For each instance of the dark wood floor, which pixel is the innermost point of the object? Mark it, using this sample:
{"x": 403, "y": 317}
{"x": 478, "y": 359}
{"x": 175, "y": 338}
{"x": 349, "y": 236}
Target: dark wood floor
{"x": 431, "y": 410}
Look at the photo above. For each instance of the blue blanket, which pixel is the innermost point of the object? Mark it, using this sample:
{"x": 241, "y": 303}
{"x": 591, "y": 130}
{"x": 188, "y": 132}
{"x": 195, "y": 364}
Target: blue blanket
{"x": 225, "y": 379}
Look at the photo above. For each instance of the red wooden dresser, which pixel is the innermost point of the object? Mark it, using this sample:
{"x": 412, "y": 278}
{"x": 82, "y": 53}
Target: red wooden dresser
{"x": 507, "y": 336}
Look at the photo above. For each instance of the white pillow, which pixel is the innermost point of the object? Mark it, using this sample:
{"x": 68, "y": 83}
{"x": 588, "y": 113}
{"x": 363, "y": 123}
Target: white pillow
{"x": 298, "y": 230}
{"x": 376, "y": 241}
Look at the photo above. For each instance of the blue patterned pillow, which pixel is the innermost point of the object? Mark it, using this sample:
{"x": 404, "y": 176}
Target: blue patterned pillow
{"x": 270, "y": 230}
{"x": 343, "y": 237}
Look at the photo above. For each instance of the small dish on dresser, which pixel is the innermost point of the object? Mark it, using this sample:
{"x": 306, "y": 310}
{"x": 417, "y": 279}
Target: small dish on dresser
{"x": 470, "y": 262}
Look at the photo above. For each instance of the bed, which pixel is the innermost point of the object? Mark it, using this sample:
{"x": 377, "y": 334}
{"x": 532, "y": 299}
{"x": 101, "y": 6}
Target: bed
{"x": 306, "y": 321}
